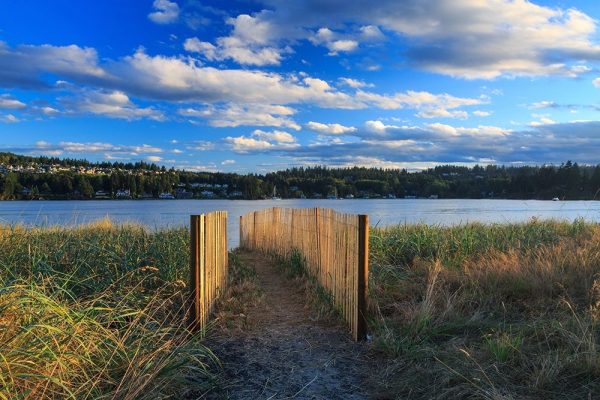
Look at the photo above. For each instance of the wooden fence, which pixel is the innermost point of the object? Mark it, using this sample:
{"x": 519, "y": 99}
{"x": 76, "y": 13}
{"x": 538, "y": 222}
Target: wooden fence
{"x": 334, "y": 247}
{"x": 208, "y": 262}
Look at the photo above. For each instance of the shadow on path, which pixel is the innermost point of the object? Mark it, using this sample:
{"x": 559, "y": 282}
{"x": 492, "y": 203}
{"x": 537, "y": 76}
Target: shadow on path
{"x": 283, "y": 353}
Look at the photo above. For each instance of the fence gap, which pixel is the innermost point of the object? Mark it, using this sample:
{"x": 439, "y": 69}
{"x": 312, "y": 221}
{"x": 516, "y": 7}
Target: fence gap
{"x": 335, "y": 248}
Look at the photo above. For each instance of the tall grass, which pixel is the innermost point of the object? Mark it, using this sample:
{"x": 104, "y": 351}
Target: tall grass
{"x": 97, "y": 311}
{"x": 488, "y": 311}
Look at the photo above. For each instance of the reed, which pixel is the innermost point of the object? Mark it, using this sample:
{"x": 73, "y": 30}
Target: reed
{"x": 488, "y": 311}
{"x": 97, "y": 311}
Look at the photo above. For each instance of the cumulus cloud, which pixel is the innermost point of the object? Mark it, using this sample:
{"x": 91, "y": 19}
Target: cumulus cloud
{"x": 112, "y": 104}
{"x": 335, "y": 42}
{"x": 10, "y": 103}
{"x": 354, "y": 83}
{"x": 464, "y": 38}
{"x": 25, "y": 66}
{"x": 201, "y": 145}
{"x": 330, "y": 129}
{"x": 596, "y": 82}
{"x": 275, "y": 136}
{"x": 261, "y": 141}
{"x": 9, "y": 119}
{"x": 251, "y": 42}
{"x": 429, "y": 105}
{"x": 440, "y": 143}
{"x": 166, "y": 12}
{"x": 174, "y": 78}
{"x": 235, "y": 49}
{"x": 95, "y": 147}
{"x": 232, "y": 115}
{"x": 480, "y": 113}
{"x": 227, "y": 162}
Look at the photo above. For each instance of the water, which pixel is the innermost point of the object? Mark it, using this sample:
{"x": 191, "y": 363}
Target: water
{"x": 173, "y": 213}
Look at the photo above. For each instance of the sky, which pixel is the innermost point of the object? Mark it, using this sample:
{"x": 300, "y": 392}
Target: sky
{"x": 263, "y": 85}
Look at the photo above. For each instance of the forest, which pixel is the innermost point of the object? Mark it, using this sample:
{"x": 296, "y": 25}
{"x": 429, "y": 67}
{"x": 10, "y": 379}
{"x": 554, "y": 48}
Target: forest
{"x": 24, "y": 177}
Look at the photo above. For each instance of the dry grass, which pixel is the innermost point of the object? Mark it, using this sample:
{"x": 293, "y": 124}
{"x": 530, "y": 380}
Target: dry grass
{"x": 497, "y": 312}
{"x": 97, "y": 312}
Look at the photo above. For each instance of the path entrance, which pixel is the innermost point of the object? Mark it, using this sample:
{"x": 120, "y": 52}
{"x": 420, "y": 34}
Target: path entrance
{"x": 284, "y": 353}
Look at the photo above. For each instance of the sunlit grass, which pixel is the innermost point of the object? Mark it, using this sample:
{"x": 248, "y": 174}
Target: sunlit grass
{"x": 97, "y": 311}
{"x": 489, "y": 311}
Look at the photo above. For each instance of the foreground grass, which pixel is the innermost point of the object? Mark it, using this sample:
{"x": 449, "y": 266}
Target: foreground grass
{"x": 488, "y": 311}
{"x": 97, "y": 312}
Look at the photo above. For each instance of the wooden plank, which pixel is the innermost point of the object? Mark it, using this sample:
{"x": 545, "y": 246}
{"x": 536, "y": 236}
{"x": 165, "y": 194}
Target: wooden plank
{"x": 193, "y": 316}
{"x": 362, "y": 276}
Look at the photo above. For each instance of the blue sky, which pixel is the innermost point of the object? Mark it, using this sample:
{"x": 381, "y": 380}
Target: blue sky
{"x": 254, "y": 86}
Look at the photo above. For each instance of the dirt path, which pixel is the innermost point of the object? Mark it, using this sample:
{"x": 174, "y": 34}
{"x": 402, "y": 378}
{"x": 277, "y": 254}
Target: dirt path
{"x": 283, "y": 353}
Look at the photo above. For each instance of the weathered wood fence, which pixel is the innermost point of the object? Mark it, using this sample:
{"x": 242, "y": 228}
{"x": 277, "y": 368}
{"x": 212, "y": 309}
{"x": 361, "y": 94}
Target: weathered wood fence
{"x": 334, "y": 247}
{"x": 208, "y": 262}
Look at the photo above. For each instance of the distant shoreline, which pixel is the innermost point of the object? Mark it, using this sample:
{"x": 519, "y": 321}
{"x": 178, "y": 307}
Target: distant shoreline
{"x": 291, "y": 198}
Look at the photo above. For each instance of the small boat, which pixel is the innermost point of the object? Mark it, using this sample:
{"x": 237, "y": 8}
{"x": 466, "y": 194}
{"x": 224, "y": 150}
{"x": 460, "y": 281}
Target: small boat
{"x": 555, "y": 199}
{"x": 275, "y": 197}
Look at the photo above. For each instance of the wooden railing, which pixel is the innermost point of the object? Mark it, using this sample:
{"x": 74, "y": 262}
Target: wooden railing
{"x": 208, "y": 262}
{"x": 334, "y": 247}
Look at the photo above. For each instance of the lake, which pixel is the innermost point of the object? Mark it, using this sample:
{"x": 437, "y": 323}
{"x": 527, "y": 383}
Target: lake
{"x": 172, "y": 213}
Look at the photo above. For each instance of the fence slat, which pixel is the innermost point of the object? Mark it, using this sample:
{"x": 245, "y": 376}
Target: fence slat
{"x": 334, "y": 247}
{"x": 208, "y": 264}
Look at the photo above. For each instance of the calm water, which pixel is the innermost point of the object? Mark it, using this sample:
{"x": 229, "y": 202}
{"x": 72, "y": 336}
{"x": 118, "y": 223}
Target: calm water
{"x": 171, "y": 213}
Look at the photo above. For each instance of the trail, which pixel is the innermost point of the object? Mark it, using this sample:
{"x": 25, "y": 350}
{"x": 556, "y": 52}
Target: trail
{"x": 284, "y": 354}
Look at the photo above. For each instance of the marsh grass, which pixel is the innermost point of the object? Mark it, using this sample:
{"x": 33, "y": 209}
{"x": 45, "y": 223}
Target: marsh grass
{"x": 97, "y": 311}
{"x": 488, "y": 311}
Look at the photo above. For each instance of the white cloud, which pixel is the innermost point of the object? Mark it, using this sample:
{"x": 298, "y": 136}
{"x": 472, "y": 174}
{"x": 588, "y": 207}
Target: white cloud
{"x": 542, "y": 120}
{"x": 354, "y": 83}
{"x": 429, "y": 105}
{"x": 232, "y": 115}
{"x": 333, "y": 41}
{"x": 371, "y": 32}
{"x": 166, "y": 12}
{"x": 262, "y": 141}
{"x": 330, "y": 129}
{"x": 251, "y": 42}
{"x": 97, "y": 147}
{"x": 23, "y": 66}
{"x": 464, "y": 38}
{"x": 10, "y": 103}
{"x": 153, "y": 158}
{"x": 235, "y": 49}
{"x": 201, "y": 145}
{"x": 175, "y": 78}
{"x": 243, "y": 144}
{"x": 113, "y": 104}
{"x": 596, "y": 82}
{"x": 480, "y": 113}
{"x": 227, "y": 162}
{"x": 275, "y": 136}
{"x": 441, "y": 113}
{"x": 9, "y": 119}
{"x": 543, "y": 104}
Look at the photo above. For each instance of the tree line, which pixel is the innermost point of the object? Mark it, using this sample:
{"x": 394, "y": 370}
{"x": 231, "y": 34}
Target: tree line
{"x": 566, "y": 181}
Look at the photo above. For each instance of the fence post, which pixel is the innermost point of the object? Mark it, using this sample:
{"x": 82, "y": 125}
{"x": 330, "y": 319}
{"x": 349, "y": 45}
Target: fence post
{"x": 241, "y": 245}
{"x": 194, "y": 281}
{"x": 363, "y": 276}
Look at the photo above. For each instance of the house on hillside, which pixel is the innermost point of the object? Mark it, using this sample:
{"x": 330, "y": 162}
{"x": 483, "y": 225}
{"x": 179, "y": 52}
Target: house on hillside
{"x": 166, "y": 196}
{"x": 123, "y": 194}
{"x": 181, "y": 193}
{"x": 101, "y": 194}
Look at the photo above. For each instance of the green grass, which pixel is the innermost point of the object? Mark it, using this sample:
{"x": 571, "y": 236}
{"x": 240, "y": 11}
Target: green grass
{"x": 97, "y": 312}
{"x": 488, "y": 311}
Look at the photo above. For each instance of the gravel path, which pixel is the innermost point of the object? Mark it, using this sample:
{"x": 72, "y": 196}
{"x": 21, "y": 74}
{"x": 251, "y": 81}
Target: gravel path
{"x": 283, "y": 354}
